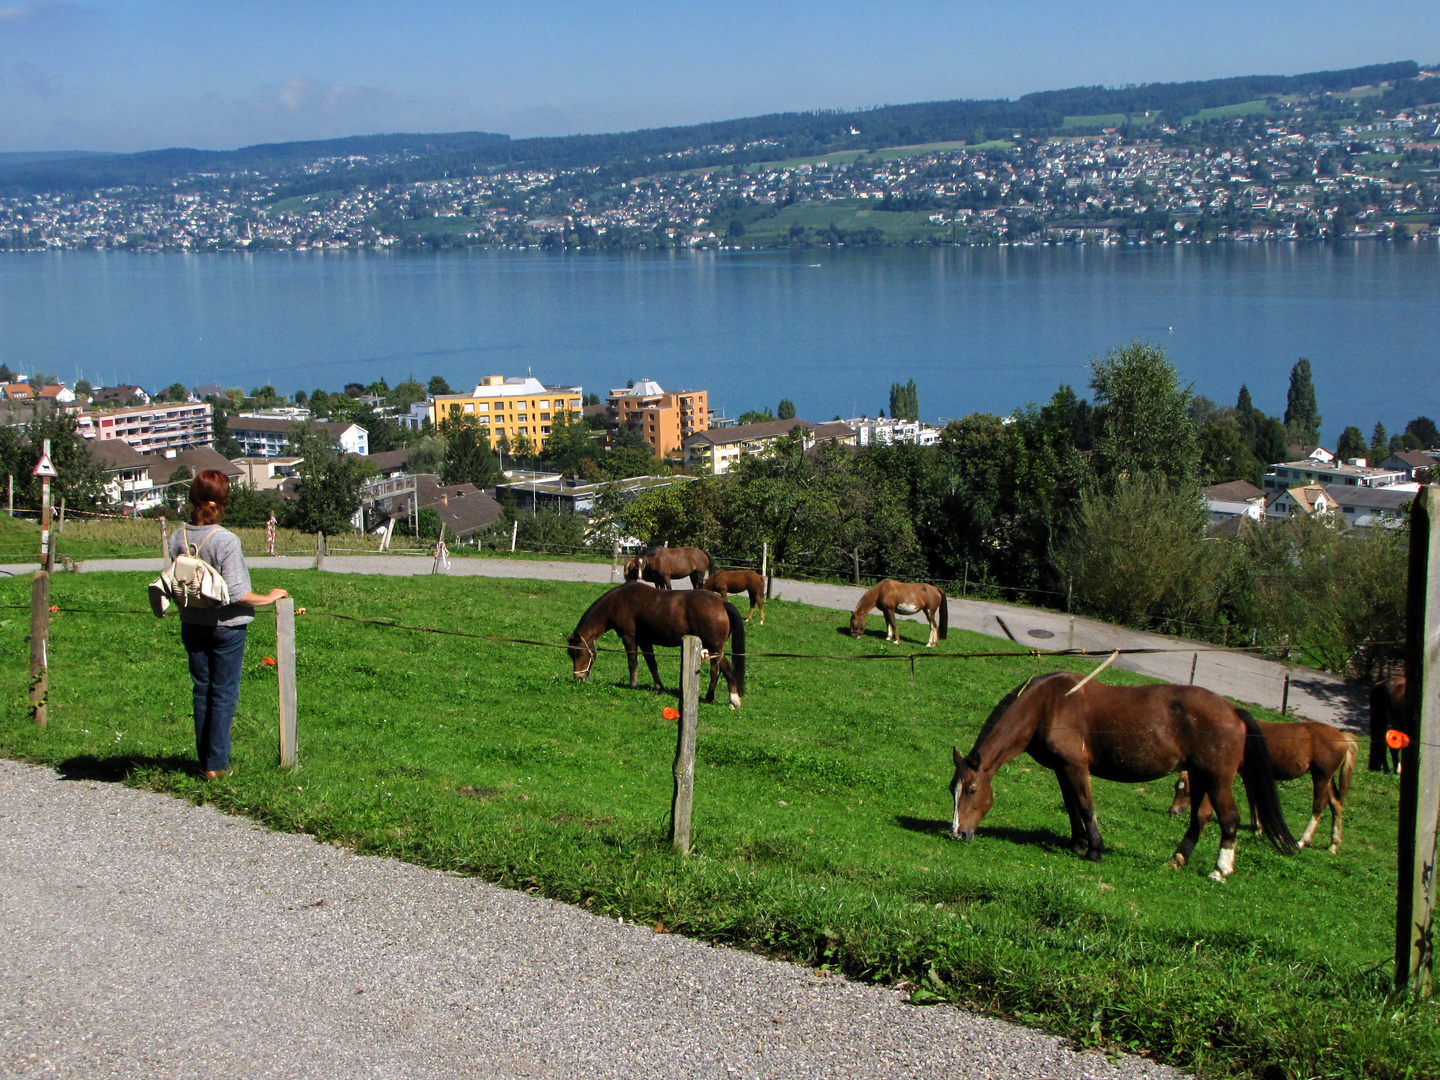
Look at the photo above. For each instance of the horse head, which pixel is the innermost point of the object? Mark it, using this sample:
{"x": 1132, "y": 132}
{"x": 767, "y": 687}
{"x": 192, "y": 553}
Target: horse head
{"x": 582, "y": 655}
{"x": 633, "y": 568}
{"x": 1182, "y": 794}
{"x": 857, "y": 624}
{"x": 973, "y": 797}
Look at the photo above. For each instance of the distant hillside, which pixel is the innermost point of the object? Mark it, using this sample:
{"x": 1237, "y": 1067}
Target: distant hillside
{"x": 760, "y": 138}
{"x": 33, "y": 157}
{"x": 77, "y": 170}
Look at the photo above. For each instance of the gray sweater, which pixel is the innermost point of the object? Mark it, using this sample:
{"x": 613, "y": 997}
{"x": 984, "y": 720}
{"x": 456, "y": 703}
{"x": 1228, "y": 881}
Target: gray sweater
{"x": 222, "y": 551}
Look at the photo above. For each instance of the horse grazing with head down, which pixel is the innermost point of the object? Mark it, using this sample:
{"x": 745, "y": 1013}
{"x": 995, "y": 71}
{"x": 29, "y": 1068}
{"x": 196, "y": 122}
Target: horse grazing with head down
{"x": 1387, "y": 710}
{"x": 1128, "y": 734}
{"x": 644, "y": 617}
{"x": 898, "y": 597}
{"x": 1304, "y": 746}
{"x": 659, "y": 564}
{"x": 725, "y": 582}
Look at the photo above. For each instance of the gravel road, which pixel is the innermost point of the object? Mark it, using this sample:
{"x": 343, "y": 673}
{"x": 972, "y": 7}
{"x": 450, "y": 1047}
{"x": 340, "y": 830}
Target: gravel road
{"x": 147, "y": 937}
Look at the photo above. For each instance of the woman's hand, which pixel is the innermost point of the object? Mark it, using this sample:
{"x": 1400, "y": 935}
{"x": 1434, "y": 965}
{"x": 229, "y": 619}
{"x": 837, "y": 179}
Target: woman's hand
{"x": 256, "y": 600}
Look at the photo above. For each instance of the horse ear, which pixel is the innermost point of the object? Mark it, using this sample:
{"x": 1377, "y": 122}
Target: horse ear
{"x": 956, "y": 751}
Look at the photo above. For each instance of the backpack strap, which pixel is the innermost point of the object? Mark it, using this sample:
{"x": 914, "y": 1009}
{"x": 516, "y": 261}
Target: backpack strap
{"x": 199, "y": 547}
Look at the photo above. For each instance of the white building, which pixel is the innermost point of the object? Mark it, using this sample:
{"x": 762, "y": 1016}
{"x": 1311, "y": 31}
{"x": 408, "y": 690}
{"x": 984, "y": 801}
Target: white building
{"x": 883, "y": 432}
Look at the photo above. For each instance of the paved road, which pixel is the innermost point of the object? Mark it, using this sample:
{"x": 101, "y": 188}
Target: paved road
{"x": 1314, "y": 695}
{"x": 142, "y": 936}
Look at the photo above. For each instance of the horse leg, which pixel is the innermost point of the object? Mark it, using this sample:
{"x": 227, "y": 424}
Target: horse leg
{"x": 1079, "y": 842}
{"x": 1317, "y": 807}
{"x": 1201, "y": 811}
{"x": 714, "y": 678}
{"x": 634, "y": 664}
{"x": 1337, "y": 812}
{"x": 1222, "y": 798}
{"x": 697, "y": 578}
{"x": 649, "y": 652}
{"x": 892, "y": 630}
{"x": 1078, "y": 776}
{"x": 934, "y": 630}
{"x": 760, "y": 602}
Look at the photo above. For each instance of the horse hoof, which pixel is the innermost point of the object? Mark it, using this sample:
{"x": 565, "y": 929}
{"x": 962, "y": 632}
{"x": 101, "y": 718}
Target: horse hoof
{"x": 1215, "y": 875}
{"x": 1092, "y": 856}
{"x": 1175, "y": 862}
{"x": 734, "y": 701}
{"x": 1300, "y": 843}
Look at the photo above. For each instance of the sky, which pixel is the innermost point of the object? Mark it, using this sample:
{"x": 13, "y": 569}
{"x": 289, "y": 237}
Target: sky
{"x": 128, "y": 75}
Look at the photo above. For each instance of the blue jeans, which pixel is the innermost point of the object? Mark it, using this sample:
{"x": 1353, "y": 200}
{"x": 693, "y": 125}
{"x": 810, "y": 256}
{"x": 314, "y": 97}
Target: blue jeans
{"x": 216, "y": 653}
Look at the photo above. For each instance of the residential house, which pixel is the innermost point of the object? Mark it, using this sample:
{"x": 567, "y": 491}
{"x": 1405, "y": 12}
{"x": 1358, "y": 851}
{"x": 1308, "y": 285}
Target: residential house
{"x": 1286, "y": 474}
{"x": 17, "y": 391}
{"x": 464, "y": 509}
{"x": 883, "y": 432}
{"x": 1310, "y": 452}
{"x": 663, "y": 420}
{"x": 264, "y": 436}
{"x": 510, "y": 409}
{"x": 716, "y": 450}
{"x": 267, "y": 473}
{"x": 1410, "y": 462}
{"x": 119, "y": 395}
{"x": 59, "y": 393}
{"x": 1365, "y": 507}
{"x": 578, "y": 497}
{"x": 1306, "y": 499}
{"x": 128, "y": 483}
{"x": 391, "y": 462}
{"x": 196, "y": 460}
{"x": 1239, "y": 498}
{"x": 152, "y": 428}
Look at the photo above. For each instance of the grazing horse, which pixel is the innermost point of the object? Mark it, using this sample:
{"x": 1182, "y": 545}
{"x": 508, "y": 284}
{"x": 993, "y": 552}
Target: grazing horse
{"x": 646, "y": 617}
{"x": 660, "y": 564}
{"x": 1127, "y": 734}
{"x": 1305, "y": 746}
{"x": 725, "y": 582}
{"x": 893, "y": 597}
{"x": 1387, "y": 710}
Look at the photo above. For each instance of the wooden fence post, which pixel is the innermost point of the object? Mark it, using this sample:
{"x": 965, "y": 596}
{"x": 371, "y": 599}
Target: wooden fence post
{"x": 857, "y": 566}
{"x": 1420, "y": 761}
{"x": 319, "y": 563}
{"x": 1285, "y": 696}
{"x": 681, "y": 804}
{"x": 39, "y": 647}
{"x": 615, "y": 562}
{"x": 514, "y": 532}
{"x": 285, "y": 669}
{"x": 439, "y": 545}
{"x": 1193, "y": 661}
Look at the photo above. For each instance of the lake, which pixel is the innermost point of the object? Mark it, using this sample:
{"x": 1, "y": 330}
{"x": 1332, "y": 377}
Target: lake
{"x": 978, "y": 329}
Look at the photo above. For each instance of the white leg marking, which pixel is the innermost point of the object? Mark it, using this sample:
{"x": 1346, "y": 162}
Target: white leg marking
{"x": 734, "y": 701}
{"x": 1224, "y": 865}
{"x": 1310, "y": 830}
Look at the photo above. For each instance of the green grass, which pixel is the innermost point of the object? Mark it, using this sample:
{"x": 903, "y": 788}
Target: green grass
{"x": 299, "y": 204}
{"x": 849, "y": 215}
{"x": 1258, "y": 107}
{"x": 1102, "y": 120}
{"x": 820, "y": 814}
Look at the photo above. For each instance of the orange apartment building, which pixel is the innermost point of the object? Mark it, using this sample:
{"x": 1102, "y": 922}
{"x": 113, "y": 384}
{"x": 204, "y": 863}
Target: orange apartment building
{"x": 664, "y": 420}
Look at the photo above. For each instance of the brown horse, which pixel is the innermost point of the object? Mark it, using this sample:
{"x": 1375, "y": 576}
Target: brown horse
{"x": 893, "y": 597}
{"x": 644, "y": 617}
{"x": 660, "y": 564}
{"x": 1305, "y": 746}
{"x": 1128, "y": 734}
{"x": 725, "y": 582}
{"x": 1387, "y": 710}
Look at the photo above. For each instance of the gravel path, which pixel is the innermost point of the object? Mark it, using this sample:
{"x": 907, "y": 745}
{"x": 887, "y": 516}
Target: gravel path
{"x": 1314, "y": 695}
{"x": 142, "y": 936}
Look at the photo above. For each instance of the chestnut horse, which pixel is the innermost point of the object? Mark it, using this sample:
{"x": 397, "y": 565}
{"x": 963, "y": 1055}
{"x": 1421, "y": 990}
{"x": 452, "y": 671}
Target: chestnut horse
{"x": 644, "y": 617}
{"x": 893, "y": 597}
{"x": 660, "y": 564}
{"x": 1387, "y": 710}
{"x": 1305, "y": 746}
{"x": 1127, "y": 734}
{"x": 725, "y": 582}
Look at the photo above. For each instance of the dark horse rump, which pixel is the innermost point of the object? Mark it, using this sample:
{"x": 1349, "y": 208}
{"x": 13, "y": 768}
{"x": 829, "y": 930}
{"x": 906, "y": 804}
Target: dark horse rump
{"x": 1387, "y": 711}
{"x": 644, "y": 618}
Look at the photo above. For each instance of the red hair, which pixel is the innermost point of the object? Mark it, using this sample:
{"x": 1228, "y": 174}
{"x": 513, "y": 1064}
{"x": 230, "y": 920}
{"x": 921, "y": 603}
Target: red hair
{"x": 209, "y": 492}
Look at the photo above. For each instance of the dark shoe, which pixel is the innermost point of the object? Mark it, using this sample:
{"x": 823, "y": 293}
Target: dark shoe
{"x": 216, "y": 774}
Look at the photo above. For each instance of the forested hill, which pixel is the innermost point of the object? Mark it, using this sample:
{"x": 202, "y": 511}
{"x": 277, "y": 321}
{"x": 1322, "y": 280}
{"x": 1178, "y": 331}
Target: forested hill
{"x": 412, "y": 158}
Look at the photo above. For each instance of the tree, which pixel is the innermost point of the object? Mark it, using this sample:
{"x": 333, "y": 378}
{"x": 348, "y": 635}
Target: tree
{"x": 301, "y": 397}
{"x": 1272, "y": 442}
{"x": 1351, "y": 445}
{"x": 264, "y": 397}
{"x": 176, "y": 392}
{"x": 755, "y": 416}
{"x": 786, "y": 411}
{"x": 6, "y": 375}
{"x": 328, "y": 494}
{"x": 468, "y": 457}
{"x": 1144, "y": 425}
{"x": 225, "y": 444}
{"x": 428, "y": 455}
{"x": 41, "y": 379}
{"x": 1302, "y": 412}
{"x": 1224, "y": 456}
{"x": 1245, "y": 414}
{"x": 437, "y": 385}
{"x": 904, "y": 401}
{"x": 83, "y": 389}
{"x": 1379, "y": 442}
{"x": 81, "y": 481}
{"x": 569, "y": 443}
{"x": 1423, "y": 428}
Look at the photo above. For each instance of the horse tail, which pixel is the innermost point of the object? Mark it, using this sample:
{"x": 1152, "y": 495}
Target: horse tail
{"x": 1379, "y": 721}
{"x": 737, "y": 646}
{"x": 709, "y": 562}
{"x": 944, "y": 614}
{"x": 1343, "y": 775}
{"x": 1259, "y": 777}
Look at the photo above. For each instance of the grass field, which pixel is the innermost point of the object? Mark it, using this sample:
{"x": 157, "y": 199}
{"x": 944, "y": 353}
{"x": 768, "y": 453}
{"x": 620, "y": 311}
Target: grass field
{"x": 820, "y": 814}
{"x": 1103, "y": 120}
{"x": 1258, "y": 107}
{"x": 849, "y": 215}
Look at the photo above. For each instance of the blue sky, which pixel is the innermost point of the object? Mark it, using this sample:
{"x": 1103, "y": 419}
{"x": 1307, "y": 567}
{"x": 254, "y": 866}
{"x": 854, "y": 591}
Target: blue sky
{"x": 130, "y": 75}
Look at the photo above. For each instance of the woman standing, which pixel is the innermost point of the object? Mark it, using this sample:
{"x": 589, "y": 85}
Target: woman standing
{"x": 214, "y": 637}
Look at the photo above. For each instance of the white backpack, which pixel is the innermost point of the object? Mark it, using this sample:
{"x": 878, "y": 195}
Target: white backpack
{"x": 189, "y": 581}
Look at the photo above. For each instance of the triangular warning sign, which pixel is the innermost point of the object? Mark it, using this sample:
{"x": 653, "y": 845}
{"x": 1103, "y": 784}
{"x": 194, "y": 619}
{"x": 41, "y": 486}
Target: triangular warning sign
{"x": 43, "y": 467}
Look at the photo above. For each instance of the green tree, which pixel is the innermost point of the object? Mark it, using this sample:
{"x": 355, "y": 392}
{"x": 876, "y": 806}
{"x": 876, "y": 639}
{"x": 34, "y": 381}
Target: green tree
{"x": 1379, "y": 442}
{"x": 570, "y": 442}
{"x": 437, "y": 385}
{"x": 1423, "y": 428}
{"x": 1302, "y": 412}
{"x": 1144, "y": 423}
{"x": 176, "y": 392}
{"x": 755, "y": 416}
{"x": 1246, "y": 415}
{"x": 1351, "y": 444}
{"x": 786, "y": 411}
{"x": 301, "y": 397}
{"x": 82, "y": 387}
{"x": 1272, "y": 441}
{"x": 328, "y": 494}
{"x": 468, "y": 457}
{"x": 428, "y": 455}
{"x": 6, "y": 375}
{"x": 264, "y": 397}
{"x": 1224, "y": 455}
{"x": 904, "y": 401}
{"x": 224, "y": 443}
{"x": 81, "y": 482}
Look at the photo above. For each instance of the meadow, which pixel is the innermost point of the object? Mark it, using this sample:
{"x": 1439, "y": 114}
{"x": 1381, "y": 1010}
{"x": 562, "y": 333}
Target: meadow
{"x": 821, "y": 812}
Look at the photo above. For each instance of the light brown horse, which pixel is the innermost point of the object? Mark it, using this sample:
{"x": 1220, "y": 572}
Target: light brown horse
{"x": 898, "y": 597}
{"x": 1128, "y": 734}
{"x": 644, "y": 617}
{"x": 660, "y": 564}
{"x": 725, "y": 582}
{"x": 1304, "y": 746}
{"x": 1387, "y": 711}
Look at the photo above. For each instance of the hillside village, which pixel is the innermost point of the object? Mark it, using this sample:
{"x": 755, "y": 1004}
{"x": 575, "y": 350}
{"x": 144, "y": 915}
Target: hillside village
{"x": 1284, "y": 168}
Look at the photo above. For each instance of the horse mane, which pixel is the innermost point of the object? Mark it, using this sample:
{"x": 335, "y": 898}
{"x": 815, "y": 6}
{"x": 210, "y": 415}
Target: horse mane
{"x": 867, "y": 602}
{"x": 1000, "y": 709}
{"x": 602, "y": 598}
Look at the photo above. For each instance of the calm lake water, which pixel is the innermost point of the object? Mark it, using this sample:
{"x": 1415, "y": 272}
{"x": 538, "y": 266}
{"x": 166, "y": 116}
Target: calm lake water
{"x": 976, "y": 328}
